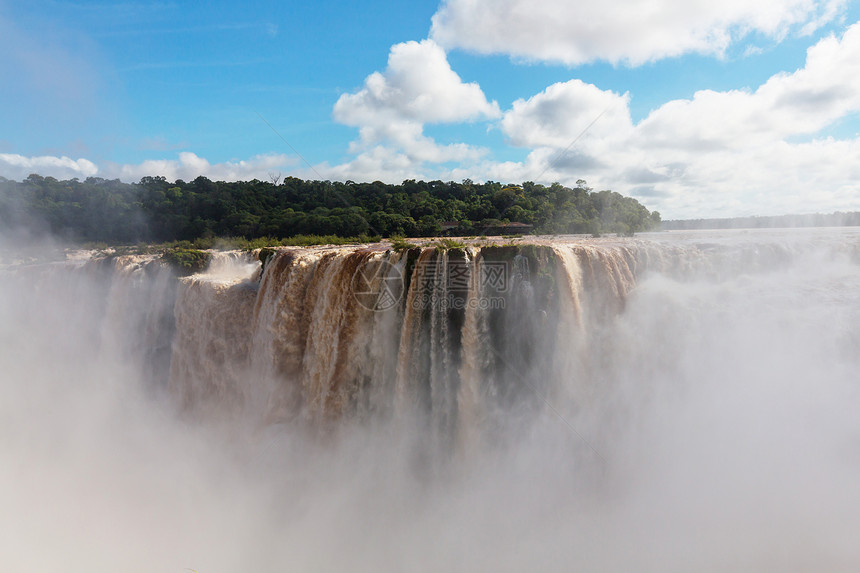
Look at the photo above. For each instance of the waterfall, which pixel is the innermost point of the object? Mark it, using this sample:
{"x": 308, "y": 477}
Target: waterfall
{"x": 675, "y": 401}
{"x": 456, "y": 337}
{"x": 139, "y": 323}
{"x": 460, "y": 338}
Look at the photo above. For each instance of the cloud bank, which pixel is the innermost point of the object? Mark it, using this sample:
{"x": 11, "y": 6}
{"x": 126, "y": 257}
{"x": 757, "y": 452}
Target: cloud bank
{"x": 15, "y": 166}
{"x": 720, "y": 153}
{"x": 732, "y": 152}
{"x": 630, "y": 32}
{"x": 187, "y": 166}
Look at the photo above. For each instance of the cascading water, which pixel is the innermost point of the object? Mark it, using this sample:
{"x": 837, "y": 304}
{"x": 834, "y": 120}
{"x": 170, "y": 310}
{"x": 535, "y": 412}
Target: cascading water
{"x": 679, "y": 401}
{"x": 323, "y": 332}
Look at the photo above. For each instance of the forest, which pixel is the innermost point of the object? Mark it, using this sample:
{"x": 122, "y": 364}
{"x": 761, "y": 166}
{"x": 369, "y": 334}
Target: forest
{"x": 157, "y": 210}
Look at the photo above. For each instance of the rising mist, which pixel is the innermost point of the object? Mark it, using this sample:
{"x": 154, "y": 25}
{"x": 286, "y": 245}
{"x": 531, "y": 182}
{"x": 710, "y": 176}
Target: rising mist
{"x": 678, "y": 402}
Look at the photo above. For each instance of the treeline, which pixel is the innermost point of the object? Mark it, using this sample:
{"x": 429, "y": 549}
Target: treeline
{"x": 158, "y": 210}
{"x": 837, "y": 219}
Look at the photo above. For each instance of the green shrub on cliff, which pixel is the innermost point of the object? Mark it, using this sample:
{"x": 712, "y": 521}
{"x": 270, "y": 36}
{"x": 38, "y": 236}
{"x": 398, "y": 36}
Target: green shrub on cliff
{"x": 399, "y": 243}
{"x": 445, "y": 244}
{"x": 186, "y": 261}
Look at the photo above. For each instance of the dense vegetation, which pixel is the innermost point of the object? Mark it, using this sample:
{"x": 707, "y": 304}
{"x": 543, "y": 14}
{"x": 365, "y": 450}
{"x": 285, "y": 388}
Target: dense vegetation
{"x": 99, "y": 210}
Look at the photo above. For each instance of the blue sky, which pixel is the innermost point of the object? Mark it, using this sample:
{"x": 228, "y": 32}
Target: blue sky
{"x": 696, "y": 108}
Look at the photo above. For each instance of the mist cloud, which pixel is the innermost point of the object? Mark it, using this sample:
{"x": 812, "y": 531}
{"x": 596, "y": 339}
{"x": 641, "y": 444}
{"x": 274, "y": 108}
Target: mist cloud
{"x": 721, "y": 402}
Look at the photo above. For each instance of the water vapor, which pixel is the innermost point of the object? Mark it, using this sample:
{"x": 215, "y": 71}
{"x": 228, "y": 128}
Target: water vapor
{"x": 676, "y": 402}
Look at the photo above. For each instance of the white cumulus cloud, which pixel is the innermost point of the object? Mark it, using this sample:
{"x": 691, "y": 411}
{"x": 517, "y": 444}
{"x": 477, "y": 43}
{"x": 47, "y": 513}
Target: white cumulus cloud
{"x": 17, "y": 167}
{"x": 187, "y": 166}
{"x": 418, "y": 87}
{"x": 627, "y": 31}
{"x": 725, "y": 153}
{"x": 564, "y": 111}
{"x": 379, "y": 163}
